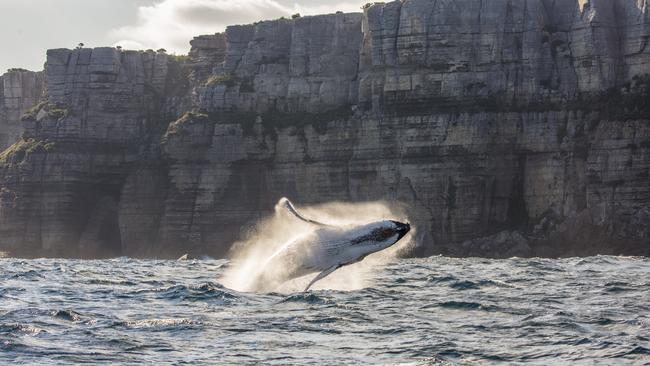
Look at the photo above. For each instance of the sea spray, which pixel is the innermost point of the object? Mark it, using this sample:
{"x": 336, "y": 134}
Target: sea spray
{"x": 250, "y": 255}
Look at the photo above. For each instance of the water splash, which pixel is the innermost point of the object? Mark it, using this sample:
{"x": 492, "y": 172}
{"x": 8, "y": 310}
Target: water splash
{"x": 250, "y": 255}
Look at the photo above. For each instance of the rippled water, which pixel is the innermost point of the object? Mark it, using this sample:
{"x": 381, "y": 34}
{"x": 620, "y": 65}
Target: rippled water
{"x": 423, "y": 311}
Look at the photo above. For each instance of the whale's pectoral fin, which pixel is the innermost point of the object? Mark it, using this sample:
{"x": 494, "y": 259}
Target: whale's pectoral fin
{"x": 284, "y": 202}
{"x": 322, "y": 275}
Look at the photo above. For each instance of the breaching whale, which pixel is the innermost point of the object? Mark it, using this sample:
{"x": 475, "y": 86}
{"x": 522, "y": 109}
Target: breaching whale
{"x": 327, "y": 248}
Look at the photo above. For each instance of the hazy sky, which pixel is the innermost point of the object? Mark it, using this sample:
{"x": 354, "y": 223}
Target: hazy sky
{"x": 30, "y": 27}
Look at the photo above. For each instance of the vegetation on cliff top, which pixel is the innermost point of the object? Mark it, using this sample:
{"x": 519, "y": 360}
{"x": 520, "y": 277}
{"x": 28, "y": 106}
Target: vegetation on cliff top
{"x": 17, "y": 69}
{"x": 178, "y": 58}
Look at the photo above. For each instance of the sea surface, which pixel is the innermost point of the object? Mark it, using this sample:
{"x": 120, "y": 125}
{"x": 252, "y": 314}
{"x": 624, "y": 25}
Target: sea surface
{"x": 418, "y": 312}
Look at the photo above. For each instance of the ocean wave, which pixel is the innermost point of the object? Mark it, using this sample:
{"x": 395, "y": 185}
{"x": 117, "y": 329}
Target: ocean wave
{"x": 465, "y": 305}
{"x": 31, "y": 275}
{"x": 307, "y": 298}
{"x": 111, "y": 282}
{"x": 13, "y": 328}
{"x": 209, "y": 291}
{"x": 160, "y": 324}
{"x": 69, "y": 315}
{"x": 422, "y": 311}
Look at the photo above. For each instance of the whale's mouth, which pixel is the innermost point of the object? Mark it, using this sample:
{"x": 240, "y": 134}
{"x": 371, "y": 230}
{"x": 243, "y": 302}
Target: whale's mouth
{"x": 402, "y": 229}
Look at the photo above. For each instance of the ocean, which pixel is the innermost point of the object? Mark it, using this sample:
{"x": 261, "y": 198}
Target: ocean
{"x": 431, "y": 311}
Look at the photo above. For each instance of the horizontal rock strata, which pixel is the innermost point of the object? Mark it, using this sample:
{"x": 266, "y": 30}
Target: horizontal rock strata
{"x": 501, "y": 128}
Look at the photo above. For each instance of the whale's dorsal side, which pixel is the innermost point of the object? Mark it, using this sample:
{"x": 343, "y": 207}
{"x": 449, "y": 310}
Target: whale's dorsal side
{"x": 284, "y": 202}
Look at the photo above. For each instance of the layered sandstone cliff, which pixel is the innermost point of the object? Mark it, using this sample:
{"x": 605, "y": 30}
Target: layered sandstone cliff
{"x": 20, "y": 90}
{"x": 62, "y": 182}
{"x": 502, "y": 128}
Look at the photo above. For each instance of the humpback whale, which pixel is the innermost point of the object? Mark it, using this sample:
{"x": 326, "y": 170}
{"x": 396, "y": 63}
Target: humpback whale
{"x": 327, "y": 248}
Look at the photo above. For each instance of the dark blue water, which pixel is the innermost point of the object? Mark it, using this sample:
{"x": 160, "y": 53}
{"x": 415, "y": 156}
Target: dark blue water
{"x": 424, "y": 311}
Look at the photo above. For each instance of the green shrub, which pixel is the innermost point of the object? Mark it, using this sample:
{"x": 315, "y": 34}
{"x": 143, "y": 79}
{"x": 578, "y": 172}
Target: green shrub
{"x": 53, "y": 111}
{"x": 31, "y": 113}
{"x": 23, "y": 147}
{"x": 17, "y": 69}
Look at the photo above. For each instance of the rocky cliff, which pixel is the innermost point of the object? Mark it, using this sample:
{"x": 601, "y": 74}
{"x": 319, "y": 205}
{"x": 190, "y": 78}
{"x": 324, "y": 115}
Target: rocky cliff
{"x": 502, "y": 128}
{"x": 20, "y": 90}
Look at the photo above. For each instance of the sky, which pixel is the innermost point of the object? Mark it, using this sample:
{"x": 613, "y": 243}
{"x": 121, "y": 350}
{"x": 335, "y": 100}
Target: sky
{"x": 30, "y": 27}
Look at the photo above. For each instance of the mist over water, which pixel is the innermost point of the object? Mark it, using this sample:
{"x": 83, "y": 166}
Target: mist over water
{"x": 250, "y": 256}
{"x": 431, "y": 311}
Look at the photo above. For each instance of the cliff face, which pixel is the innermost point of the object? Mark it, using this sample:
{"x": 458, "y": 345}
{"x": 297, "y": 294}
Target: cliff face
{"x": 20, "y": 90}
{"x": 508, "y": 128}
{"x": 62, "y": 182}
